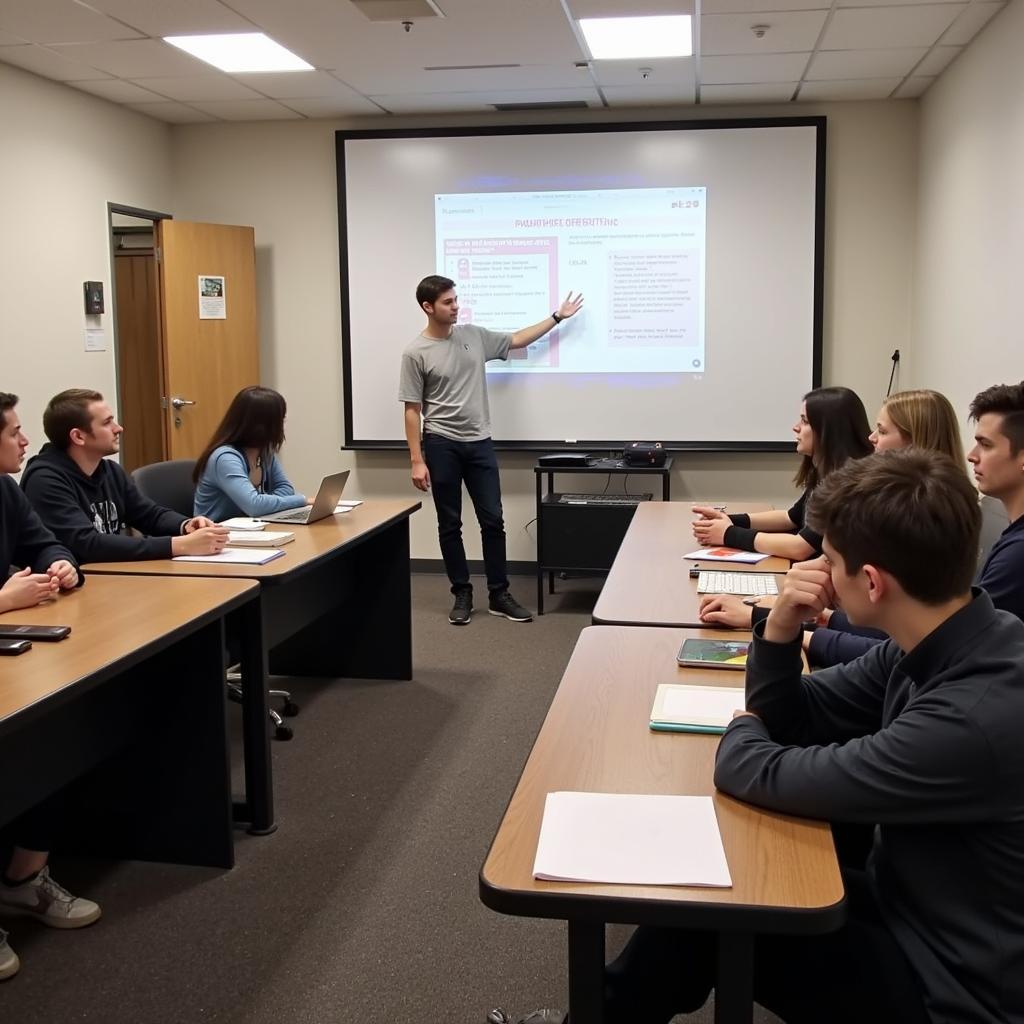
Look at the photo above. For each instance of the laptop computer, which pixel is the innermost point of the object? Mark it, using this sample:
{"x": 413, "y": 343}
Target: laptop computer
{"x": 323, "y": 504}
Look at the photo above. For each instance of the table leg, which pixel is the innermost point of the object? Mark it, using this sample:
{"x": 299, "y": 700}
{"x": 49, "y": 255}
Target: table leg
{"x": 258, "y": 809}
{"x": 734, "y": 988}
{"x": 586, "y": 972}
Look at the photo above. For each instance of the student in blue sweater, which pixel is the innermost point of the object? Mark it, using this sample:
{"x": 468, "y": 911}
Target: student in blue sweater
{"x": 238, "y": 473}
{"x": 919, "y": 738}
{"x": 47, "y": 569}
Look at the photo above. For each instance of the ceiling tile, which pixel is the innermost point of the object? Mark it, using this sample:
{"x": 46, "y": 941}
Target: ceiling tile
{"x": 59, "y": 21}
{"x": 869, "y": 27}
{"x": 659, "y": 96}
{"x": 626, "y": 73}
{"x": 10, "y": 39}
{"x": 771, "y": 67}
{"x": 295, "y": 84}
{"x": 371, "y": 77}
{"x": 116, "y": 91}
{"x": 937, "y": 60}
{"x": 967, "y": 26}
{"x": 249, "y": 110}
{"x": 788, "y": 32}
{"x": 136, "y": 58}
{"x": 913, "y": 87}
{"x": 174, "y": 113}
{"x": 425, "y": 103}
{"x": 849, "y": 64}
{"x": 761, "y": 6}
{"x": 180, "y": 17}
{"x": 853, "y": 89}
{"x": 335, "y": 106}
{"x": 207, "y": 88}
{"x": 774, "y": 92}
{"x": 42, "y": 61}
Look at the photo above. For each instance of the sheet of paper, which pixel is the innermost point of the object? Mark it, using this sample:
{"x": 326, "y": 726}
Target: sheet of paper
{"x": 727, "y": 555}
{"x": 631, "y": 840}
{"x": 346, "y": 506}
{"x": 244, "y": 523}
{"x": 235, "y": 556}
{"x": 697, "y": 705}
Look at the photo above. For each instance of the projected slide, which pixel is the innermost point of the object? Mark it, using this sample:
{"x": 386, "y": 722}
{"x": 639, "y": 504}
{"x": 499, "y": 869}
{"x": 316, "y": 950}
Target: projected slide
{"x": 638, "y": 256}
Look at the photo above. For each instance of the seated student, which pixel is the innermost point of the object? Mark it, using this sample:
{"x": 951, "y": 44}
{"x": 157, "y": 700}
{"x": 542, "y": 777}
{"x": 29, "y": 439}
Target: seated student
{"x": 921, "y": 418}
{"x": 89, "y": 501}
{"x": 238, "y": 473}
{"x": 26, "y": 888}
{"x": 832, "y": 428}
{"x": 920, "y": 738}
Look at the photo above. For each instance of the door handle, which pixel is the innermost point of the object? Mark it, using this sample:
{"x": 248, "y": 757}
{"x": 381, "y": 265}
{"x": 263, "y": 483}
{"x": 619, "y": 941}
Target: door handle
{"x": 179, "y": 403}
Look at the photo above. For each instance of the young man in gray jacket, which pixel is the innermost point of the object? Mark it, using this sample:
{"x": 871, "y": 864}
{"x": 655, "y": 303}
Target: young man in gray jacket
{"x": 920, "y": 738}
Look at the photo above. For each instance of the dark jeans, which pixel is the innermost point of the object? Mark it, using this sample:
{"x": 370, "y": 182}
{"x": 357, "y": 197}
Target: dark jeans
{"x": 450, "y": 464}
{"x": 855, "y": 975}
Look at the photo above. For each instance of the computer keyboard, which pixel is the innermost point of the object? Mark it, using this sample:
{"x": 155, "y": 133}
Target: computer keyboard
{"x": 299, "y": 515}
{"x": 603, "y": 499}
{"x": 749, "y": 584}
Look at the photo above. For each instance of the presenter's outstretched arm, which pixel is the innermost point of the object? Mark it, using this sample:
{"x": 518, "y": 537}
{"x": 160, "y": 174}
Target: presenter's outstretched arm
{"x": 420, "y": 475}
{"x": 528, "y": 335}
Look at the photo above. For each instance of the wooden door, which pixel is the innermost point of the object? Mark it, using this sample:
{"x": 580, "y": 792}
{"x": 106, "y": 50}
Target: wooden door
{"x": 139, "y": 359}
{"x": 206, "y": 361}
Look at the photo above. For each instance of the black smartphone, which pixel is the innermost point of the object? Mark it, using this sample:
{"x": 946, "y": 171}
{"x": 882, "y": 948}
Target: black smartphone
{"x": 14, "y": 646}
{"x": 16, "y": 631}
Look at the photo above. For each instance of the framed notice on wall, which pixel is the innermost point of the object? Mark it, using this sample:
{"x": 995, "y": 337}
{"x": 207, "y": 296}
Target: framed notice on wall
{"x": 212, "y": 302}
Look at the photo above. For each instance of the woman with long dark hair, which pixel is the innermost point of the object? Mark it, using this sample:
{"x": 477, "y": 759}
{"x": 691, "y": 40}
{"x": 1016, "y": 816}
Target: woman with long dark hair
{"x": 238, "y": 473}
{"x": 833, "y": 427}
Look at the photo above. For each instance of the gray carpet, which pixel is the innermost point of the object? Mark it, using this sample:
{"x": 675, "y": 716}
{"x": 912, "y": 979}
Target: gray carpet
{"x": 363, "y": 906}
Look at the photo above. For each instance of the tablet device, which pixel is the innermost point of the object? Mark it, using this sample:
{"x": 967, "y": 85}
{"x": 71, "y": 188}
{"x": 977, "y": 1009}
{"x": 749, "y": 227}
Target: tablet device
{"x": 697, "y": 652}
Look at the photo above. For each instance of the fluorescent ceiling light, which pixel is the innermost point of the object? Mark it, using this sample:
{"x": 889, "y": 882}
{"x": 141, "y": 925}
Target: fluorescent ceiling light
{"x": 657, "y": 36}
{"x": 240, "y": 52}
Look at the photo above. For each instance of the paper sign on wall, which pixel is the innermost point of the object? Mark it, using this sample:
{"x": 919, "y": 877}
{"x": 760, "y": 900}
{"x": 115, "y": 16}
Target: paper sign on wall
{"x": 212, "y": 303}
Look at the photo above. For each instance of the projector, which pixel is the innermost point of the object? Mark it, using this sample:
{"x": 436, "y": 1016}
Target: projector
{"x": 643, "y": 453}
{"x": 564, "y": 459}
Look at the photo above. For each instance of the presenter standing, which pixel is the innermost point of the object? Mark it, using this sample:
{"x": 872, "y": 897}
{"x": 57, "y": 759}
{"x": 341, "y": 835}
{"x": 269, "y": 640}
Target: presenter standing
{"x": 443, "y": 380}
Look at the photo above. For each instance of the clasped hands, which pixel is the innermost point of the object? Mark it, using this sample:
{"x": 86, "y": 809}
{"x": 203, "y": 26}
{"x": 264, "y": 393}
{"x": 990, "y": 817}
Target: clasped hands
{"x": 710, "y": 528}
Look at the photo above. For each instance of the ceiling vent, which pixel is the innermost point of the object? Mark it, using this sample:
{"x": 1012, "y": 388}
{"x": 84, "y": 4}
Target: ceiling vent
{"x": 398, "y": 10}
{"x": 556, "y": 105}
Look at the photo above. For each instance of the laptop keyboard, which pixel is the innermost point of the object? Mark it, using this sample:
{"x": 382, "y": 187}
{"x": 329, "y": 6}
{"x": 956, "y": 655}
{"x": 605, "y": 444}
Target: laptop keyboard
{"x": 761, "y": 584}
{"x": 299, "y": 515}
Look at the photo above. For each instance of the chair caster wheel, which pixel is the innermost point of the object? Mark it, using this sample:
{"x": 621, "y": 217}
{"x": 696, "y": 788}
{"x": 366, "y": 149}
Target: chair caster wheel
{"x": 283, "y": 732}
{"x": 290, "y": 709}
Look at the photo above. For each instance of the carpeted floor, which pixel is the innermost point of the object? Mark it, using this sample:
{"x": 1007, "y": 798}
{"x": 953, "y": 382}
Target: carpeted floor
{"x": 363, "y": 906}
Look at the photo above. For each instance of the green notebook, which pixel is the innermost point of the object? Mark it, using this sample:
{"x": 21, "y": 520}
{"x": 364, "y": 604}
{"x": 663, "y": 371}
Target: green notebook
{"x": 709, "y": 709}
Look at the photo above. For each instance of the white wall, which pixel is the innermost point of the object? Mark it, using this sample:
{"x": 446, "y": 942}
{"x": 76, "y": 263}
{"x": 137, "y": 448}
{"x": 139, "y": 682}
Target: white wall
{"x": 65, "y": 155}
{"x": 280, "y": 178}
{"x": 970, "y": 242}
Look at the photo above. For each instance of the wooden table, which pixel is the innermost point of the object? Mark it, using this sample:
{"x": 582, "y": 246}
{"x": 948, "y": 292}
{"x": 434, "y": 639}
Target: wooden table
{"x": 132, "y": 705}
{"x": 337, "y": 603}
{"x": 649, "y": 583}
{"x": 596, "y": 738}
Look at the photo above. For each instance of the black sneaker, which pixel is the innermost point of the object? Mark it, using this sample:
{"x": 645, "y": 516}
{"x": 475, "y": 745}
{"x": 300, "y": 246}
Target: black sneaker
{"x": 503, "y": 603}
{"x": 462, "y": 610}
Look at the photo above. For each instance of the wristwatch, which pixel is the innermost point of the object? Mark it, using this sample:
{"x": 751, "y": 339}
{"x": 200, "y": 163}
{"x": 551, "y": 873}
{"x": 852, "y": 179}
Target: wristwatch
{"x": 558, "y": 319}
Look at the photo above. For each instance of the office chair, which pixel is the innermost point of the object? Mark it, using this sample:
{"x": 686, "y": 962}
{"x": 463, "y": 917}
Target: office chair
{"x": 170, "y": 484}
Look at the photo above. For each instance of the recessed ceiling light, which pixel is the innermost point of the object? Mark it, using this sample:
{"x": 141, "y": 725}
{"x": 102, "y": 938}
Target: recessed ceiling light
{"x": 240, "y": 52}
{"x": 656, "y": 36}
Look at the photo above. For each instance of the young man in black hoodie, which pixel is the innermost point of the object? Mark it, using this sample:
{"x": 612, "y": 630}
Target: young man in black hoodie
{"x": 919, "y": 738}
{"x": 26, "y": 888}
{"x": 89, "y": 501}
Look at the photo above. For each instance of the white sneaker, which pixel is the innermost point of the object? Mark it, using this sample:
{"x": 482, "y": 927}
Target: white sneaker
{"x": 48, "y": 902}
{"x": 9, "y": 962}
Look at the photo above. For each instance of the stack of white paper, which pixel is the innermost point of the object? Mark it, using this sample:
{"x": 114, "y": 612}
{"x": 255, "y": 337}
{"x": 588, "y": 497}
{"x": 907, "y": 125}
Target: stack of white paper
{"x": 346, "y": 506}
{"x": 244, "y": 523}
{"x": 727, "y": 555}
{"x": 631, "y": 839}
{"x": 235, "y": 556}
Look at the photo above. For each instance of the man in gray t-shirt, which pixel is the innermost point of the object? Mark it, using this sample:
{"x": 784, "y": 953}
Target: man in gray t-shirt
{"x": 443, "y": 380}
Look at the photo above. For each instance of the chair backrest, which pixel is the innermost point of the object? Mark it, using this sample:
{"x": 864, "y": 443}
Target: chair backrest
{"x": 993, "y": 521}
{"x": 168, "y": 484}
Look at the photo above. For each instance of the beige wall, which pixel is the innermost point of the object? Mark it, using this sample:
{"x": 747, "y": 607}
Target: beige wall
{"x": 65, "y": 156}
{"x": 279, "y": 177}
{"x": 970, "y": 244}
